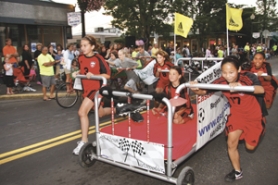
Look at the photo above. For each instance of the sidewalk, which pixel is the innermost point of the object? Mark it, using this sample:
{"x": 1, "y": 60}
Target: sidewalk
{"x": 21, "y": 94}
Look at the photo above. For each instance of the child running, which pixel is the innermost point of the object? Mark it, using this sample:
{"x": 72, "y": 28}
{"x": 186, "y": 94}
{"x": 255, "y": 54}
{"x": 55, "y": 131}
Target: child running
{"x": 90, "y": 64}
{"x": 9, "y": 79}
{"x": 182, "y": 113}
{"x": 246, "y": 120}
{"x": 260, "y": 66}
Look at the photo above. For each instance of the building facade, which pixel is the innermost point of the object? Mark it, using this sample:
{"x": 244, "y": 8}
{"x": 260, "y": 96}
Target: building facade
{"x": 33, "y": 21}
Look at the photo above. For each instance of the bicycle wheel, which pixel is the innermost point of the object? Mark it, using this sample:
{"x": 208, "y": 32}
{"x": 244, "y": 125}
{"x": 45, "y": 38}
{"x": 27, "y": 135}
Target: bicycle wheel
{"x": 65, "y": 99}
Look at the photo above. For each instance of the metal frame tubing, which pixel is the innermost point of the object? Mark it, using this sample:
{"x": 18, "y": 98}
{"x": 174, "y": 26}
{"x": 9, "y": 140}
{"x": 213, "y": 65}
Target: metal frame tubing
{"x": 169, "y": 146}
{"x": 104, "y": 81}
{"x": 264, "y": 74}
{"x": 219, "y": 87}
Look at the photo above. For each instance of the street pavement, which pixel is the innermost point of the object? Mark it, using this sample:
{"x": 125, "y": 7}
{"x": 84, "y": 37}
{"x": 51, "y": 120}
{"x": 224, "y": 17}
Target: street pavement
{"x": 40, "y": 137}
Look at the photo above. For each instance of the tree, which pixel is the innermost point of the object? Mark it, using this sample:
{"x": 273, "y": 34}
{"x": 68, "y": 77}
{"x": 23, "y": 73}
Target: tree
{"x": 140, "y": 18}
{"x": 87, "y": 6}
{"x": 267, "y": 14}
{"x": 208, "y": 15}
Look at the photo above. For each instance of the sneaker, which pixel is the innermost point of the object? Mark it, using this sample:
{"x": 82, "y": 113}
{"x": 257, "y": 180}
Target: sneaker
{"x": 234, "y": 175}
{"x": 78, "y": 148}
{"x": 31, "y": 89}
{"x": 125, "y": 109}
{"x": 26, "y": 88}
{"x": 137, "y": 117}
{"x": 39, "y": 83}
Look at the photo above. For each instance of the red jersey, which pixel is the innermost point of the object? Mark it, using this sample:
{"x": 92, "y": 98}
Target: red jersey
{"x": 96, "y": 65}
{"x": 266, "y": 68}
{"x": 164, "y": 76}
{"x": 245, "y": 106}
{"x": 170, "y": 91}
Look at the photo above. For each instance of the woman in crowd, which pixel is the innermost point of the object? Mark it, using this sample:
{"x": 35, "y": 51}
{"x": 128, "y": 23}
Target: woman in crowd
{"x": 68, "y": 57}
{"x": 103, "y": 52}
{"x": 53, "y": 54}
{"x": 114, "y": 60}
{"x": 36, "y": 54}
{"x": 27, "y": 62}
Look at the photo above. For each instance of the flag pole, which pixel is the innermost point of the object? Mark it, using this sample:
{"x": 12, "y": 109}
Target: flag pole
{"x": 227, "y": 33}
{"x": 228, "y": 48}
{"x": 175, "y": 59}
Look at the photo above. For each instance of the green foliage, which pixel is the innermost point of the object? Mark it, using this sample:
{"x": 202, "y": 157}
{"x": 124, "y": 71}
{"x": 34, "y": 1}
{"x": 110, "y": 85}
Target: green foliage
{"x": 209, "y": 16}
{"x": 140, "y": 18}
{"x": 90, "y": 5}
{"x": 267, "y": 14}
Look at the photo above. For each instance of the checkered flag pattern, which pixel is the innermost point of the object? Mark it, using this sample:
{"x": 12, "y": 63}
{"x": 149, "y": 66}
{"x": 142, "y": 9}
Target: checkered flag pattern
{"x": 133, "y": 152}
{"x": 124, "y": 146}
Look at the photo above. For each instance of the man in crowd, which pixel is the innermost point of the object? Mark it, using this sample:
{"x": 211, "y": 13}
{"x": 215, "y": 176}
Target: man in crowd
{"x": 10, "y": 50}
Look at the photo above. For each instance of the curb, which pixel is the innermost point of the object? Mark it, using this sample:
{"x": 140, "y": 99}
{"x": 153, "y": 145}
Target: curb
{"x": 25, "y": 96}
{"x": 21, "y": 96}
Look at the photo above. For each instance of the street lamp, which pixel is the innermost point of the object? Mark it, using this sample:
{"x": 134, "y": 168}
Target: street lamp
{"x": 252, "y": 17}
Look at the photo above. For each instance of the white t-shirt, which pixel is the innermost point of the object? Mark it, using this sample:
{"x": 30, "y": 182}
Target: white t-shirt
{"x": 68, "y": 57}
{"x": 9, "y": 72}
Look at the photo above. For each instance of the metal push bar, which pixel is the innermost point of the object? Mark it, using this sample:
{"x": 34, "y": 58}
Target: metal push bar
{"x": 219, "y": 87}
{"x": 264, "y": 74}
{"x": 104, "y": 81}
{"x": 169, "y": 146}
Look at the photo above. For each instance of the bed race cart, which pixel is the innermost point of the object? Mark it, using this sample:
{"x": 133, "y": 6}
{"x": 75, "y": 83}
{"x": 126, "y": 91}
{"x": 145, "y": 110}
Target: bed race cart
{"x": 155, "y": 147}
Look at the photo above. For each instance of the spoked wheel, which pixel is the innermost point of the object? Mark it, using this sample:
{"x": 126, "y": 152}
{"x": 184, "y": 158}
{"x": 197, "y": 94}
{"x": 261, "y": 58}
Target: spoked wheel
{"x": 86, "y": 155}
{"x": 186, "y": 176}
{"x": 65, "y": 99}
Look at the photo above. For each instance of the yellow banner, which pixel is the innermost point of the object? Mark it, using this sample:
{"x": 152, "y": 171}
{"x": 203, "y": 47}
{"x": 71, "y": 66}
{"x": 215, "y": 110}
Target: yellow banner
{"x": 233, "y": 18}
{"x": 182, "y": 25}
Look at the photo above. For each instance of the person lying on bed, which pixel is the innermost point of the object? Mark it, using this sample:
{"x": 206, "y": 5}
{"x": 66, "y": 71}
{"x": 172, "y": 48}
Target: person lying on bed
{"x": 184, "y": 112}
{"x": 246, "y": 120}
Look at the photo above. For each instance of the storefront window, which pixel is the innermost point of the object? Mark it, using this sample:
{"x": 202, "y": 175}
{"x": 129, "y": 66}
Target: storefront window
{"x": 15, "y": 33}
{"x": 34, "y": 34}
{"x": 52, "y": 35}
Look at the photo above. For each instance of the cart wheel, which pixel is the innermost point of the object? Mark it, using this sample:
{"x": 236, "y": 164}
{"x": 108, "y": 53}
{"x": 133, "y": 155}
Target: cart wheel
{"x": 186, "y": 176}
{"x": 87, "y": 155}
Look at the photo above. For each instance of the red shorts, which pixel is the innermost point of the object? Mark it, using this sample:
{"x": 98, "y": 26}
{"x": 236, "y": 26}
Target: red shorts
{"x": 90, "y": 94}
{"x": 162, "y": 84}
{"x": 269, "y": 96}
{"x": 252, "y": 129}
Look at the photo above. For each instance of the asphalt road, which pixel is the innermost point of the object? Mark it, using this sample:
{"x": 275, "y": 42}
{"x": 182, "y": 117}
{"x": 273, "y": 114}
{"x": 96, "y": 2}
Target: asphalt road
{"x": 27, "y": 122}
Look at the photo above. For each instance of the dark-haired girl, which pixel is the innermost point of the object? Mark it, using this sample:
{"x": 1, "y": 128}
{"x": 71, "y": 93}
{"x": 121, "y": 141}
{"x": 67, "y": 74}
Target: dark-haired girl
{"x": 182, "y": 113}
{"x": 91, "y": 64}
{"x": 27, "y": 62}
{"x": 260, "y": 66}
{"x": 162, "y": 64}
{"x": 246, "y": 120}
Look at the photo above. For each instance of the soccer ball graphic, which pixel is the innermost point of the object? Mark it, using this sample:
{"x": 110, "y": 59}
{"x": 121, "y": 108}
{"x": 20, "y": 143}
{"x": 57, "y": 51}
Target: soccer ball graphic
{"x": 201, "y": 115}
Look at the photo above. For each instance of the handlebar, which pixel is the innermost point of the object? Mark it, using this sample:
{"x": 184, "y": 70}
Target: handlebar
{"x": 264, "y": 74}
{"x": 104, "y": 80}
{"x": 219, "y": 87}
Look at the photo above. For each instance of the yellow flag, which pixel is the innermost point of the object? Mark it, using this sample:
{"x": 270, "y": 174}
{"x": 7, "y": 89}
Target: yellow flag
{"x": 182, "y": 24}
{"x": 233, "y": 18}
